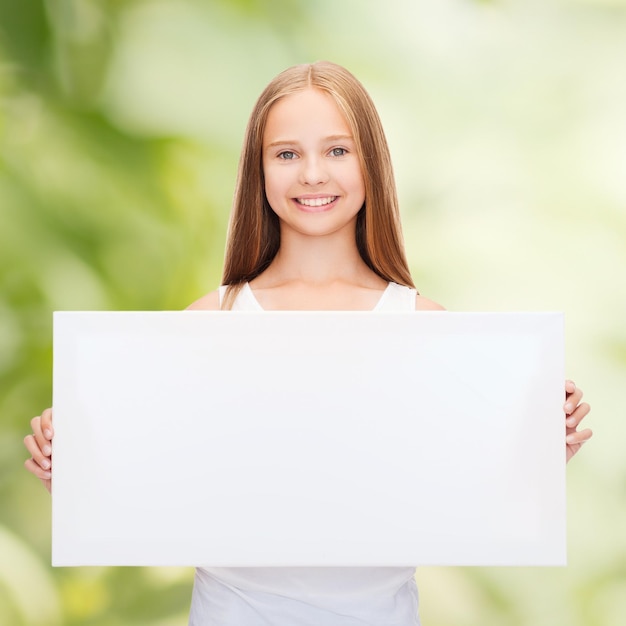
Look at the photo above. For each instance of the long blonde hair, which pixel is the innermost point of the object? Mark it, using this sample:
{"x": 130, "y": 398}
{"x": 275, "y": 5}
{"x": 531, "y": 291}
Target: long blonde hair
{"x": 254, "y": 232}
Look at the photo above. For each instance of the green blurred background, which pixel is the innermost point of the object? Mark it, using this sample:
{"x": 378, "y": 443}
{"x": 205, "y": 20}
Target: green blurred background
{"x": 120, "y": 127}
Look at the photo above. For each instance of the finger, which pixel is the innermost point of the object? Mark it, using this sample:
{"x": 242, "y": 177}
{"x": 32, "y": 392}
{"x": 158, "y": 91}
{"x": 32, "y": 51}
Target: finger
{"x": 572, "y": 401}
{"x": 43, "y": 442}
{"x": 579, "y": 436}
{"x": 35, "y": 424}
{"x": 46, "y": 424}
{"x": 581, "y": 411}
{"x": 570, "y": 387}
{"x": 38, "y": 455}
{"x": 37, "y": 435}
{"x": 35, "y": 469}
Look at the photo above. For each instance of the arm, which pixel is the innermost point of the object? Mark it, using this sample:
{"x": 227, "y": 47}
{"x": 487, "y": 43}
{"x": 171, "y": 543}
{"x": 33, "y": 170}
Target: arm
{"x": 39, "y": 443}
{"x": 210, "y": 302}
{"x": 424, "y": 304}
{"x": 575, "y": 410}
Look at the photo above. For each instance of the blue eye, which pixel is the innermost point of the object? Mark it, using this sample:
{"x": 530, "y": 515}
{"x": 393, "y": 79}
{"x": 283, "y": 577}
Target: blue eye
{"x": 287, "y": 155}
{"x": 338, "y": 152}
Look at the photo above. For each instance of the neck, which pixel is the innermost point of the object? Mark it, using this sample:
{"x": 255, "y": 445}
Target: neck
{"x": 317, "y": 260}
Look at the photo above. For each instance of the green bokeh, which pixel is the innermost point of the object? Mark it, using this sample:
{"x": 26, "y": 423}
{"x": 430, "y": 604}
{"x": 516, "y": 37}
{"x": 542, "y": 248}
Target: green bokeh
{"x": 120, "y": 126}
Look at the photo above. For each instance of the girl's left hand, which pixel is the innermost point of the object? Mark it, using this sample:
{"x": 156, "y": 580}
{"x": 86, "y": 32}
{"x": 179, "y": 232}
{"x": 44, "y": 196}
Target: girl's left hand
{"x": 575, "y": 411}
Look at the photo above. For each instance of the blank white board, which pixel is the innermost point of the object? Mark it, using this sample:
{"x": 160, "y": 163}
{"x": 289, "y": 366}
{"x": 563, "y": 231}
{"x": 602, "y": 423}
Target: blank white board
{"x": 308, "y": 439}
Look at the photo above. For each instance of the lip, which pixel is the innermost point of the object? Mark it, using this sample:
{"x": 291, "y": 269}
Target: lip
{"x": 321, "y": 208}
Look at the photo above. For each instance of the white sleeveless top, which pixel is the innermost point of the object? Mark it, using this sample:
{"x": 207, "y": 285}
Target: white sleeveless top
{"x": 308, "y": 596}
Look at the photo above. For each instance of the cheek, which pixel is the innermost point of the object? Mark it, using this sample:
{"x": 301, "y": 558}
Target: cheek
{"x": 275, "y": 188}
{"x": 274, "y": 180}
{"x": 358, "y": 182}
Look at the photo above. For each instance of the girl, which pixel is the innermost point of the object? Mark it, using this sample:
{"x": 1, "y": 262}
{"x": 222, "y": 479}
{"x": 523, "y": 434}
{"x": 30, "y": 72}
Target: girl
{"x": 315, "y": 226}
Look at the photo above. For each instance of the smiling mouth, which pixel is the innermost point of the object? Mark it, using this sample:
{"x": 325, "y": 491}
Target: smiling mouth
{"x": 316, "y": 202}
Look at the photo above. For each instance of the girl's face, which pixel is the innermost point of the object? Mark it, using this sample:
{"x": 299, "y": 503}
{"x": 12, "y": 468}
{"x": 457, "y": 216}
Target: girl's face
{"x": 313, "y": 178}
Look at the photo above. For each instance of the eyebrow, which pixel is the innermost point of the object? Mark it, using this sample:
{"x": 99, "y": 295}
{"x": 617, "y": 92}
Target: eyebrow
{"x": 291, "y": 142}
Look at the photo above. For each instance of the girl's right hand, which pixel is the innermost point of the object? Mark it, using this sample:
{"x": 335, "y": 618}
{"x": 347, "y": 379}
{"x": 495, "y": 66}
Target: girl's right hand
{"x": 39, "y": 444}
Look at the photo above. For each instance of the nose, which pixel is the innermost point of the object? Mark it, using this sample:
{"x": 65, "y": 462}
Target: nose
{"x": 313, "y": 171}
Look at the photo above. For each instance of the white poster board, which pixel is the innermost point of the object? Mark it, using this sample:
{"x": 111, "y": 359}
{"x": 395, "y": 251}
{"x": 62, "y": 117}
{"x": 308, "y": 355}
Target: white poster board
{"x": 308, "y": 439}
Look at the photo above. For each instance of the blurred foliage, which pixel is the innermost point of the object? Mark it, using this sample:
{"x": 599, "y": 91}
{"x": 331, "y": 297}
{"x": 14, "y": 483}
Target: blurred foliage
{"x": 120, "y": 126}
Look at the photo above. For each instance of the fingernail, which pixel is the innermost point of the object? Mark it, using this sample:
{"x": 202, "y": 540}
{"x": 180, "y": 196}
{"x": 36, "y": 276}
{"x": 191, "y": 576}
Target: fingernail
{"x": 47, "y": 433}
{"x": 570, "y": 421}
{"x": 568, "y": 407}
{"x": 45, "y": 464}
{"x": 47, "y": 475}
{"x": 570, "y": 438}
{"x": 47, "y": 450}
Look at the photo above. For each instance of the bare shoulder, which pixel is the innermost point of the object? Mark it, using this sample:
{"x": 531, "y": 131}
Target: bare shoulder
{"x": 210, "y": 302}
{"x": 424, "y": 304}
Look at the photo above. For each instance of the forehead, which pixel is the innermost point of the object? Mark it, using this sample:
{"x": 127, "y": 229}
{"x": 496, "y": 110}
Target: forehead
{"x": 308, "y": 112}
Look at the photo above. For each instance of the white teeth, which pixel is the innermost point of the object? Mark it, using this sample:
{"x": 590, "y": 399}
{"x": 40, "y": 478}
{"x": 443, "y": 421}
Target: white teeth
{"x": 316, "y": 201}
